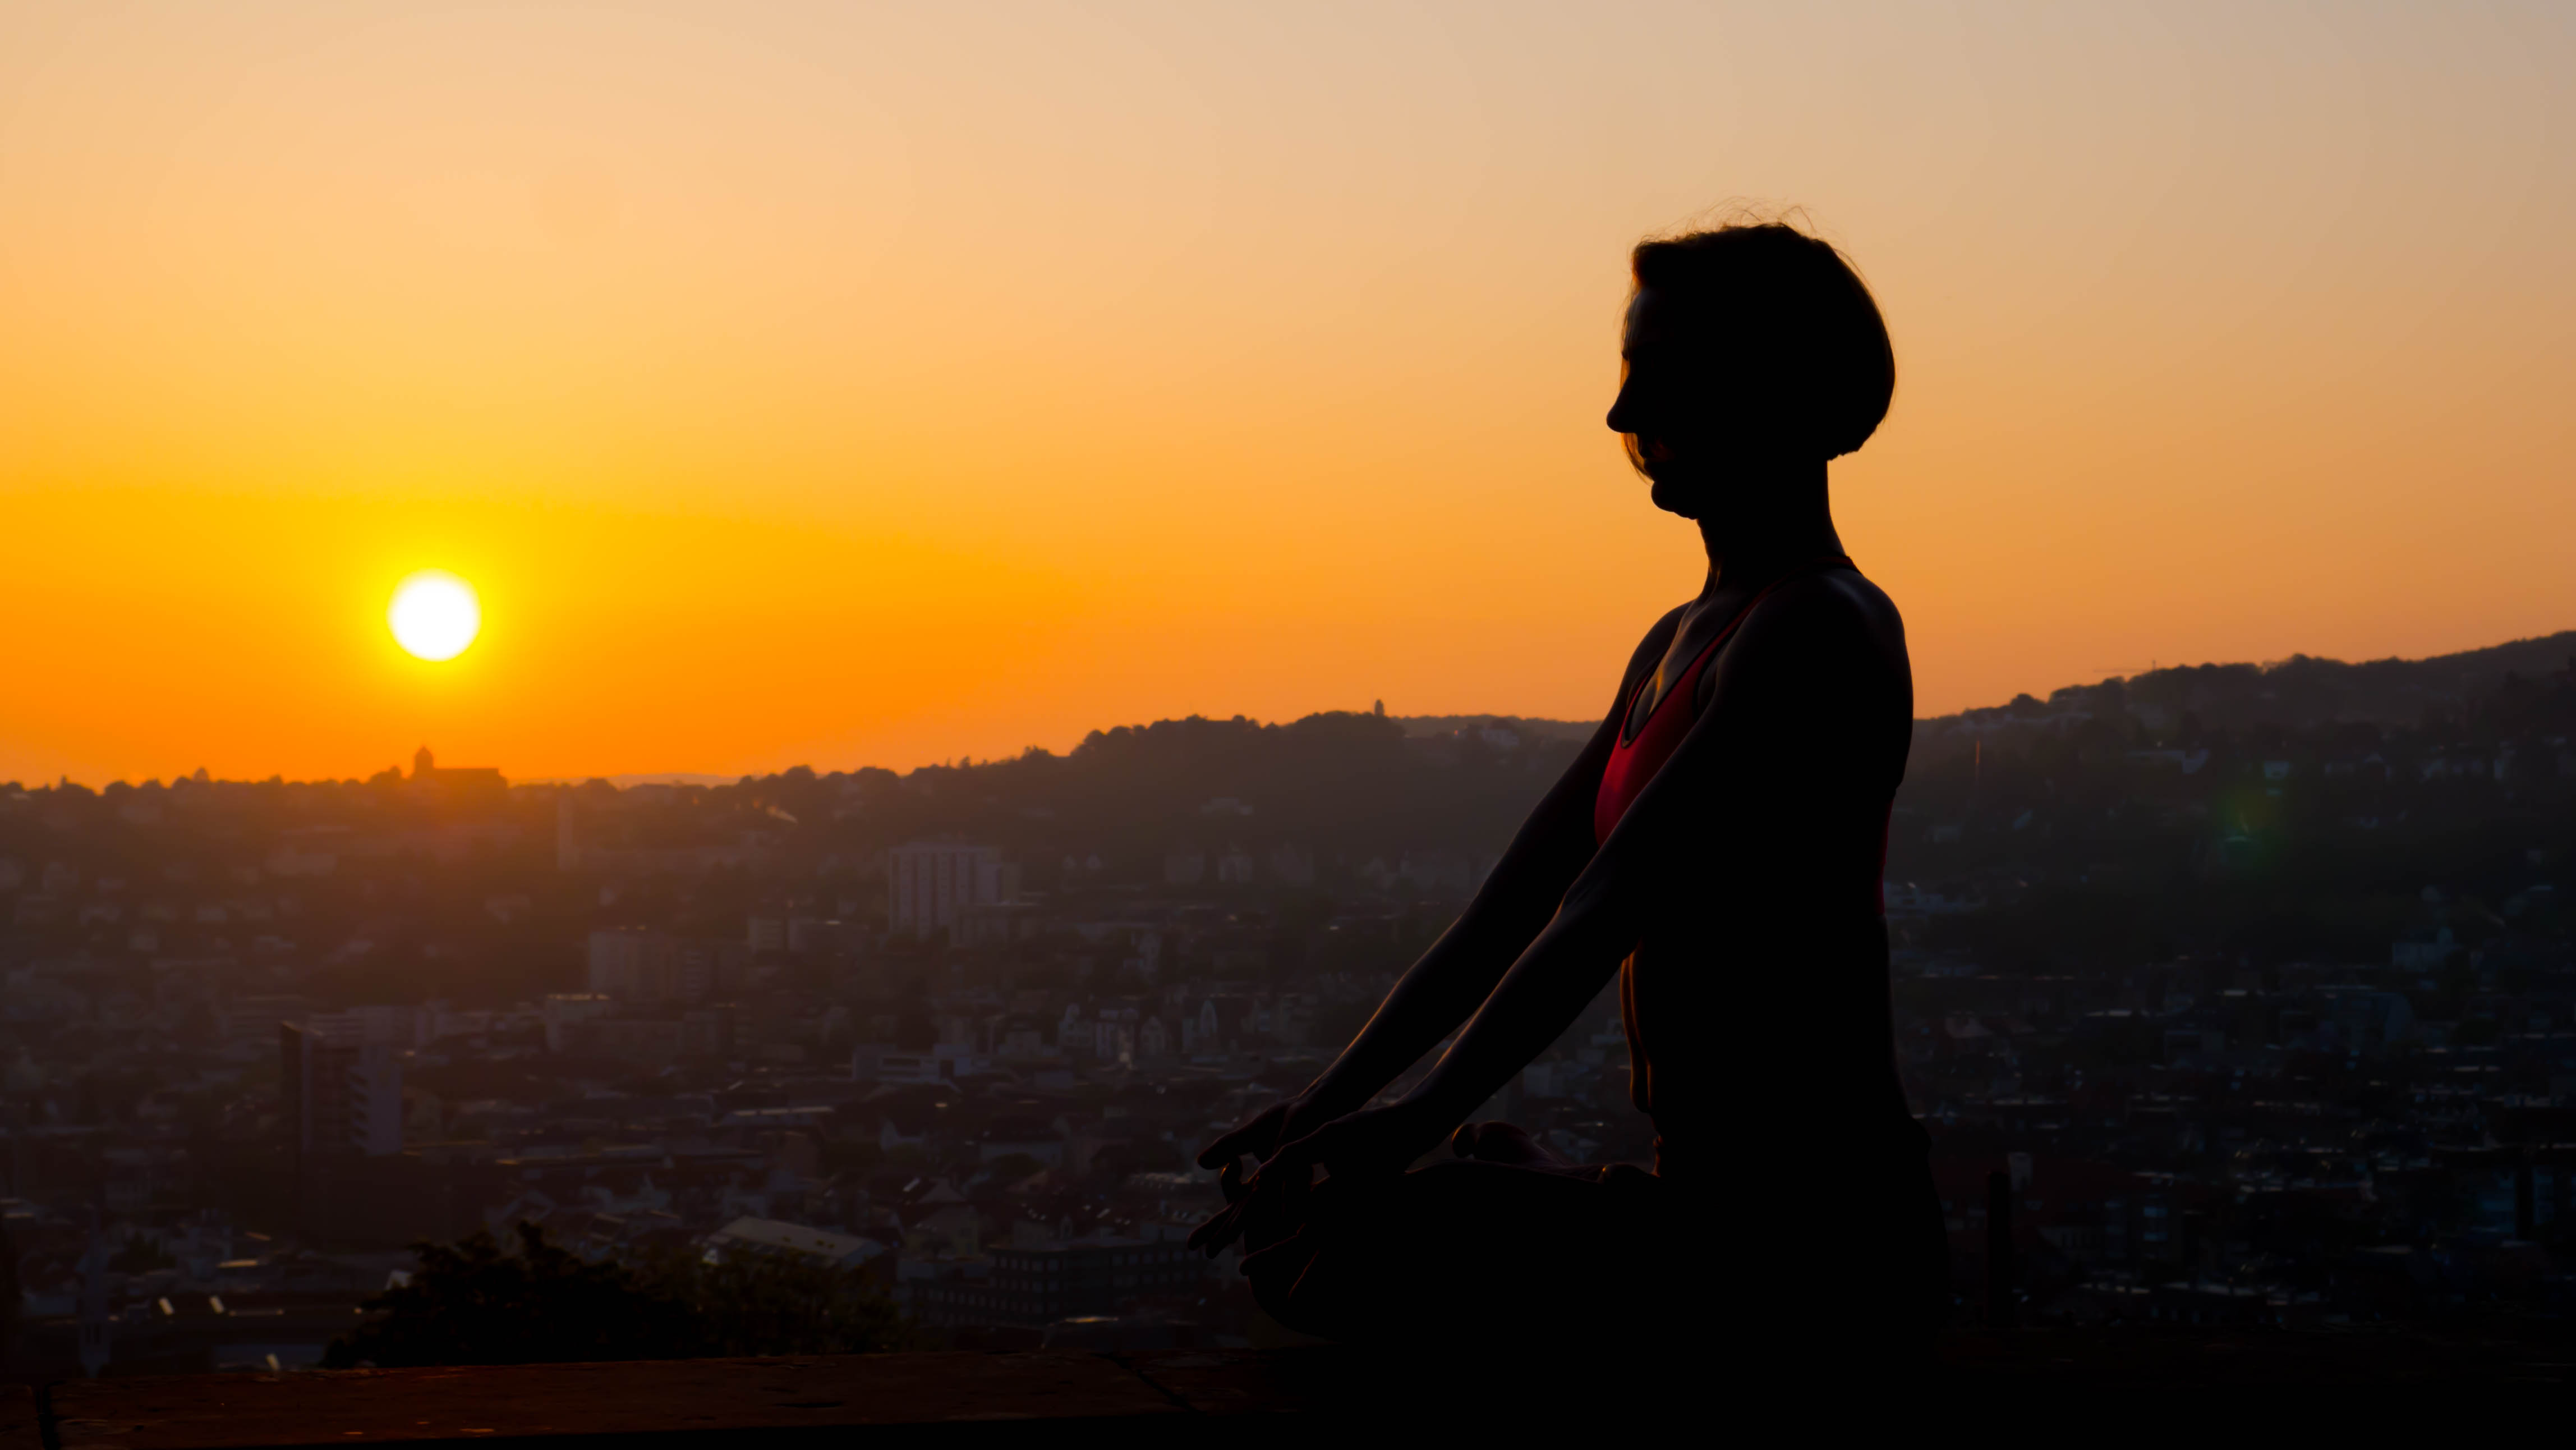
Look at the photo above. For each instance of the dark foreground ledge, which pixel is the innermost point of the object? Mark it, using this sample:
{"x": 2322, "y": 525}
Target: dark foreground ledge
{"x": 2110, "y": 1378}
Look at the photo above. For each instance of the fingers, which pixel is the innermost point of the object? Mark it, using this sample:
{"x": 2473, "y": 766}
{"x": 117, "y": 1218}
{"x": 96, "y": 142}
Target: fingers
{"x": 1260, "y": 1208}
{"x": 1224, "y": 1150}
{"x": 1230, "y": 1223}
{"x": 1256, "y": 1138}
{"x": 1212, "y": 1237}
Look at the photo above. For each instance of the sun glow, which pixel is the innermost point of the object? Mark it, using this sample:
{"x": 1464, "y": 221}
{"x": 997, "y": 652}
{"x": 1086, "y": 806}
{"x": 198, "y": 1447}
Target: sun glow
{"x": 435, "y": 615}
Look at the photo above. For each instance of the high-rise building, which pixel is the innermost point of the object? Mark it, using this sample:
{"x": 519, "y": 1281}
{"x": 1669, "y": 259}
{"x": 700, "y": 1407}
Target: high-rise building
{"x": 342, "y": 1098}
{"x": 635, "y": 964}
{"x": 377, "y": 1025}
{"x": 567, "y": 834}
{"x": 712, "y": 968}
{"x": 353, "y": 1182}
{"x": 563, "y": 1010}
{"x": 930, "y": 886}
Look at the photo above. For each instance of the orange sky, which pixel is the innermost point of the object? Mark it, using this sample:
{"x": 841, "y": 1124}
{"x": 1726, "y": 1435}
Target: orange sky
{"x": 805, "y": 384}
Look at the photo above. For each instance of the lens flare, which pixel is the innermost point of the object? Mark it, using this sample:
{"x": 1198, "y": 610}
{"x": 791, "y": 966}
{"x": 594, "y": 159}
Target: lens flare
{"x": 434, "y": 615}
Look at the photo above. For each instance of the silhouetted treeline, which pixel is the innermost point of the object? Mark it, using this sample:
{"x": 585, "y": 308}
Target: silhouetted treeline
{"x": 2101, "y": 828}
{"x": 536, "y": 1302}
{"x": 2301, "y": 692}
{"x": 2299, "y": 809}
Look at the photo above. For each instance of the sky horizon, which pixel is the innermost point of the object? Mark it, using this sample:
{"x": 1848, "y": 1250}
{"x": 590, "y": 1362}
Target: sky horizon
{"x": 703, "y": 777}
{"x": 800, "y": 383}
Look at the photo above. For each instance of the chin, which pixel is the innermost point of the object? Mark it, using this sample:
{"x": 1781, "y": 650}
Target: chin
{"x": 1679, "y": 497}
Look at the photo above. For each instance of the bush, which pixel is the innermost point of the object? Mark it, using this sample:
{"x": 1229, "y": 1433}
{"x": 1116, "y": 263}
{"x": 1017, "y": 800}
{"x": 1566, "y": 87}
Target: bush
{"x": 475, "y": 1303}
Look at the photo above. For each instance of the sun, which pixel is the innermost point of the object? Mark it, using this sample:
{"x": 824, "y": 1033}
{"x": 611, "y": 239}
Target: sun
{"x": 434, "y": 615}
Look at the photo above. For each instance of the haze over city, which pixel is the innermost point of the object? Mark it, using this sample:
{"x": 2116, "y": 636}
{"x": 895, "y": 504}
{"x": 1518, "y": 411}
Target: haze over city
{"x": 734, "y": 720}
{"x": 807, "y": 384}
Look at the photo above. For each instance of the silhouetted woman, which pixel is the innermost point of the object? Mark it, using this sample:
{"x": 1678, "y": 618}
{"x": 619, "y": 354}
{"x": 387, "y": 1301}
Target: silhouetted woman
{"x": 1719, "y": 845}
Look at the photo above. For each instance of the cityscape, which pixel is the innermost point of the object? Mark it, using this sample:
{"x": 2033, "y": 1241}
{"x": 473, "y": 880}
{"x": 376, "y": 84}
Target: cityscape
{"x": 1254, "y": 723}
{"x": 2231, "y": 995}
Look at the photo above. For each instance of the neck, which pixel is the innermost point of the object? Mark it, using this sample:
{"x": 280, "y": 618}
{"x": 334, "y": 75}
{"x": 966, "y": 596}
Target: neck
{"x": 1792, "y": 524}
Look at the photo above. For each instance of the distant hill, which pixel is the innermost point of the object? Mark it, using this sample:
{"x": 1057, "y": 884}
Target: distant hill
{"x": 1417, "y": 727}
{"x": 2302, "y": 690}
{"x": 628, "y": 782}
{"x": 2299, "y": 691}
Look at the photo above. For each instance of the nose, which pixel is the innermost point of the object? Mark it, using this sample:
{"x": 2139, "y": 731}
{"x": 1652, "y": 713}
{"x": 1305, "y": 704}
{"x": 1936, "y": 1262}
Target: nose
{"x": 1622, "y": 416}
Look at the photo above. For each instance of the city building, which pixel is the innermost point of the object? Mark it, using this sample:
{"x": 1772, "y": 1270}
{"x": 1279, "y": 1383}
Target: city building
{"x": 456, "y": 782}
{"x": 769, "y": 1237}
{"x": 1035, "y": 1287}
{"x": 635, "y": 964}
{"x": 931, "y": 886}
{"x": 342, "y": 1110}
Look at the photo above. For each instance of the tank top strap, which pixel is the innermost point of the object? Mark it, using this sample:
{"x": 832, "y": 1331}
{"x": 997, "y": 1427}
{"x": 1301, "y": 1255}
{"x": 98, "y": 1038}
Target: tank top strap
{"x": 1635, "y": 758}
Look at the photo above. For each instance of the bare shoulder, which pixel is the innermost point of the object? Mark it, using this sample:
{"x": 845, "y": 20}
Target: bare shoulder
{"x": 1839, "y": 607}
{"x": 1835, "y": 634}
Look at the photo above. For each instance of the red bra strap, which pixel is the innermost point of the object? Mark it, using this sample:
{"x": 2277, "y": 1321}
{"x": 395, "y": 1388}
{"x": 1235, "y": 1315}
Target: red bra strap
{"x": 1822, "y": 561}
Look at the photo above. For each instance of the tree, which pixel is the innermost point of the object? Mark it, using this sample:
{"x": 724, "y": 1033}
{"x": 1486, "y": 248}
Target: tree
{"x": 475, "y": 1303}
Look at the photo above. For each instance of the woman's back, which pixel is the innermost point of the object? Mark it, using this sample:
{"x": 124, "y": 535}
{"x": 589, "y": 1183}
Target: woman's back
{"x": 1757, "y": 1003}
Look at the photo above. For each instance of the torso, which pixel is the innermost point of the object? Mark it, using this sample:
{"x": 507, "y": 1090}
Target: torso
{"x": 1701, "y": 625}
{"x": 1783, "y": 960}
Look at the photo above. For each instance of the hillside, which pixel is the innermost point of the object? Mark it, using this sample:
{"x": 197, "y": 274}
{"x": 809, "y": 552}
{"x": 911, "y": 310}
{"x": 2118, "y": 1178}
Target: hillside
{"x": 1528, "y": 727}
{"x": 2304, "y": 690}
{"x": 2301, "y": 691}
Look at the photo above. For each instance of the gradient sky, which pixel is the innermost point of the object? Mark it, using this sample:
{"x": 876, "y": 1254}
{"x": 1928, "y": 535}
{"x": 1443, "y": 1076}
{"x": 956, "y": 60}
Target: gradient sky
{"x": 842, "y": 384}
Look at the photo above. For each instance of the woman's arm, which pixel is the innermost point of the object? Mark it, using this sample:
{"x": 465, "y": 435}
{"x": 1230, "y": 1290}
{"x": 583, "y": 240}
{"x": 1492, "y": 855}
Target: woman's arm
{"x": 1795, "y": 698}
{"x": 1461, "y": 969}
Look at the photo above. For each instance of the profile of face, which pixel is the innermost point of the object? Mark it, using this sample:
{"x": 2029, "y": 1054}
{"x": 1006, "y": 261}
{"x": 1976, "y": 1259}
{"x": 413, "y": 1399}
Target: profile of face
{"x": 1690, "y": 426}
{"x": 1752, "y": 355}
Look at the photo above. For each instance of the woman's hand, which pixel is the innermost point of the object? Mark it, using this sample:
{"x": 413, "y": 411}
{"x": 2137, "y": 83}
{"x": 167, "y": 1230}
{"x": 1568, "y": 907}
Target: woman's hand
{"x": 1380, "y": 1141}
{"x": 1261, "y": 1134}
{"x": 1373, "y": 1141}
{"x": 1258, "y": 1136}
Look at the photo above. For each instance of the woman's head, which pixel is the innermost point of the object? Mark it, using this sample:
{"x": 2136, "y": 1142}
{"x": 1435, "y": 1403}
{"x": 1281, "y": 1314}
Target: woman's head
{"x": 1748, "y": 348}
